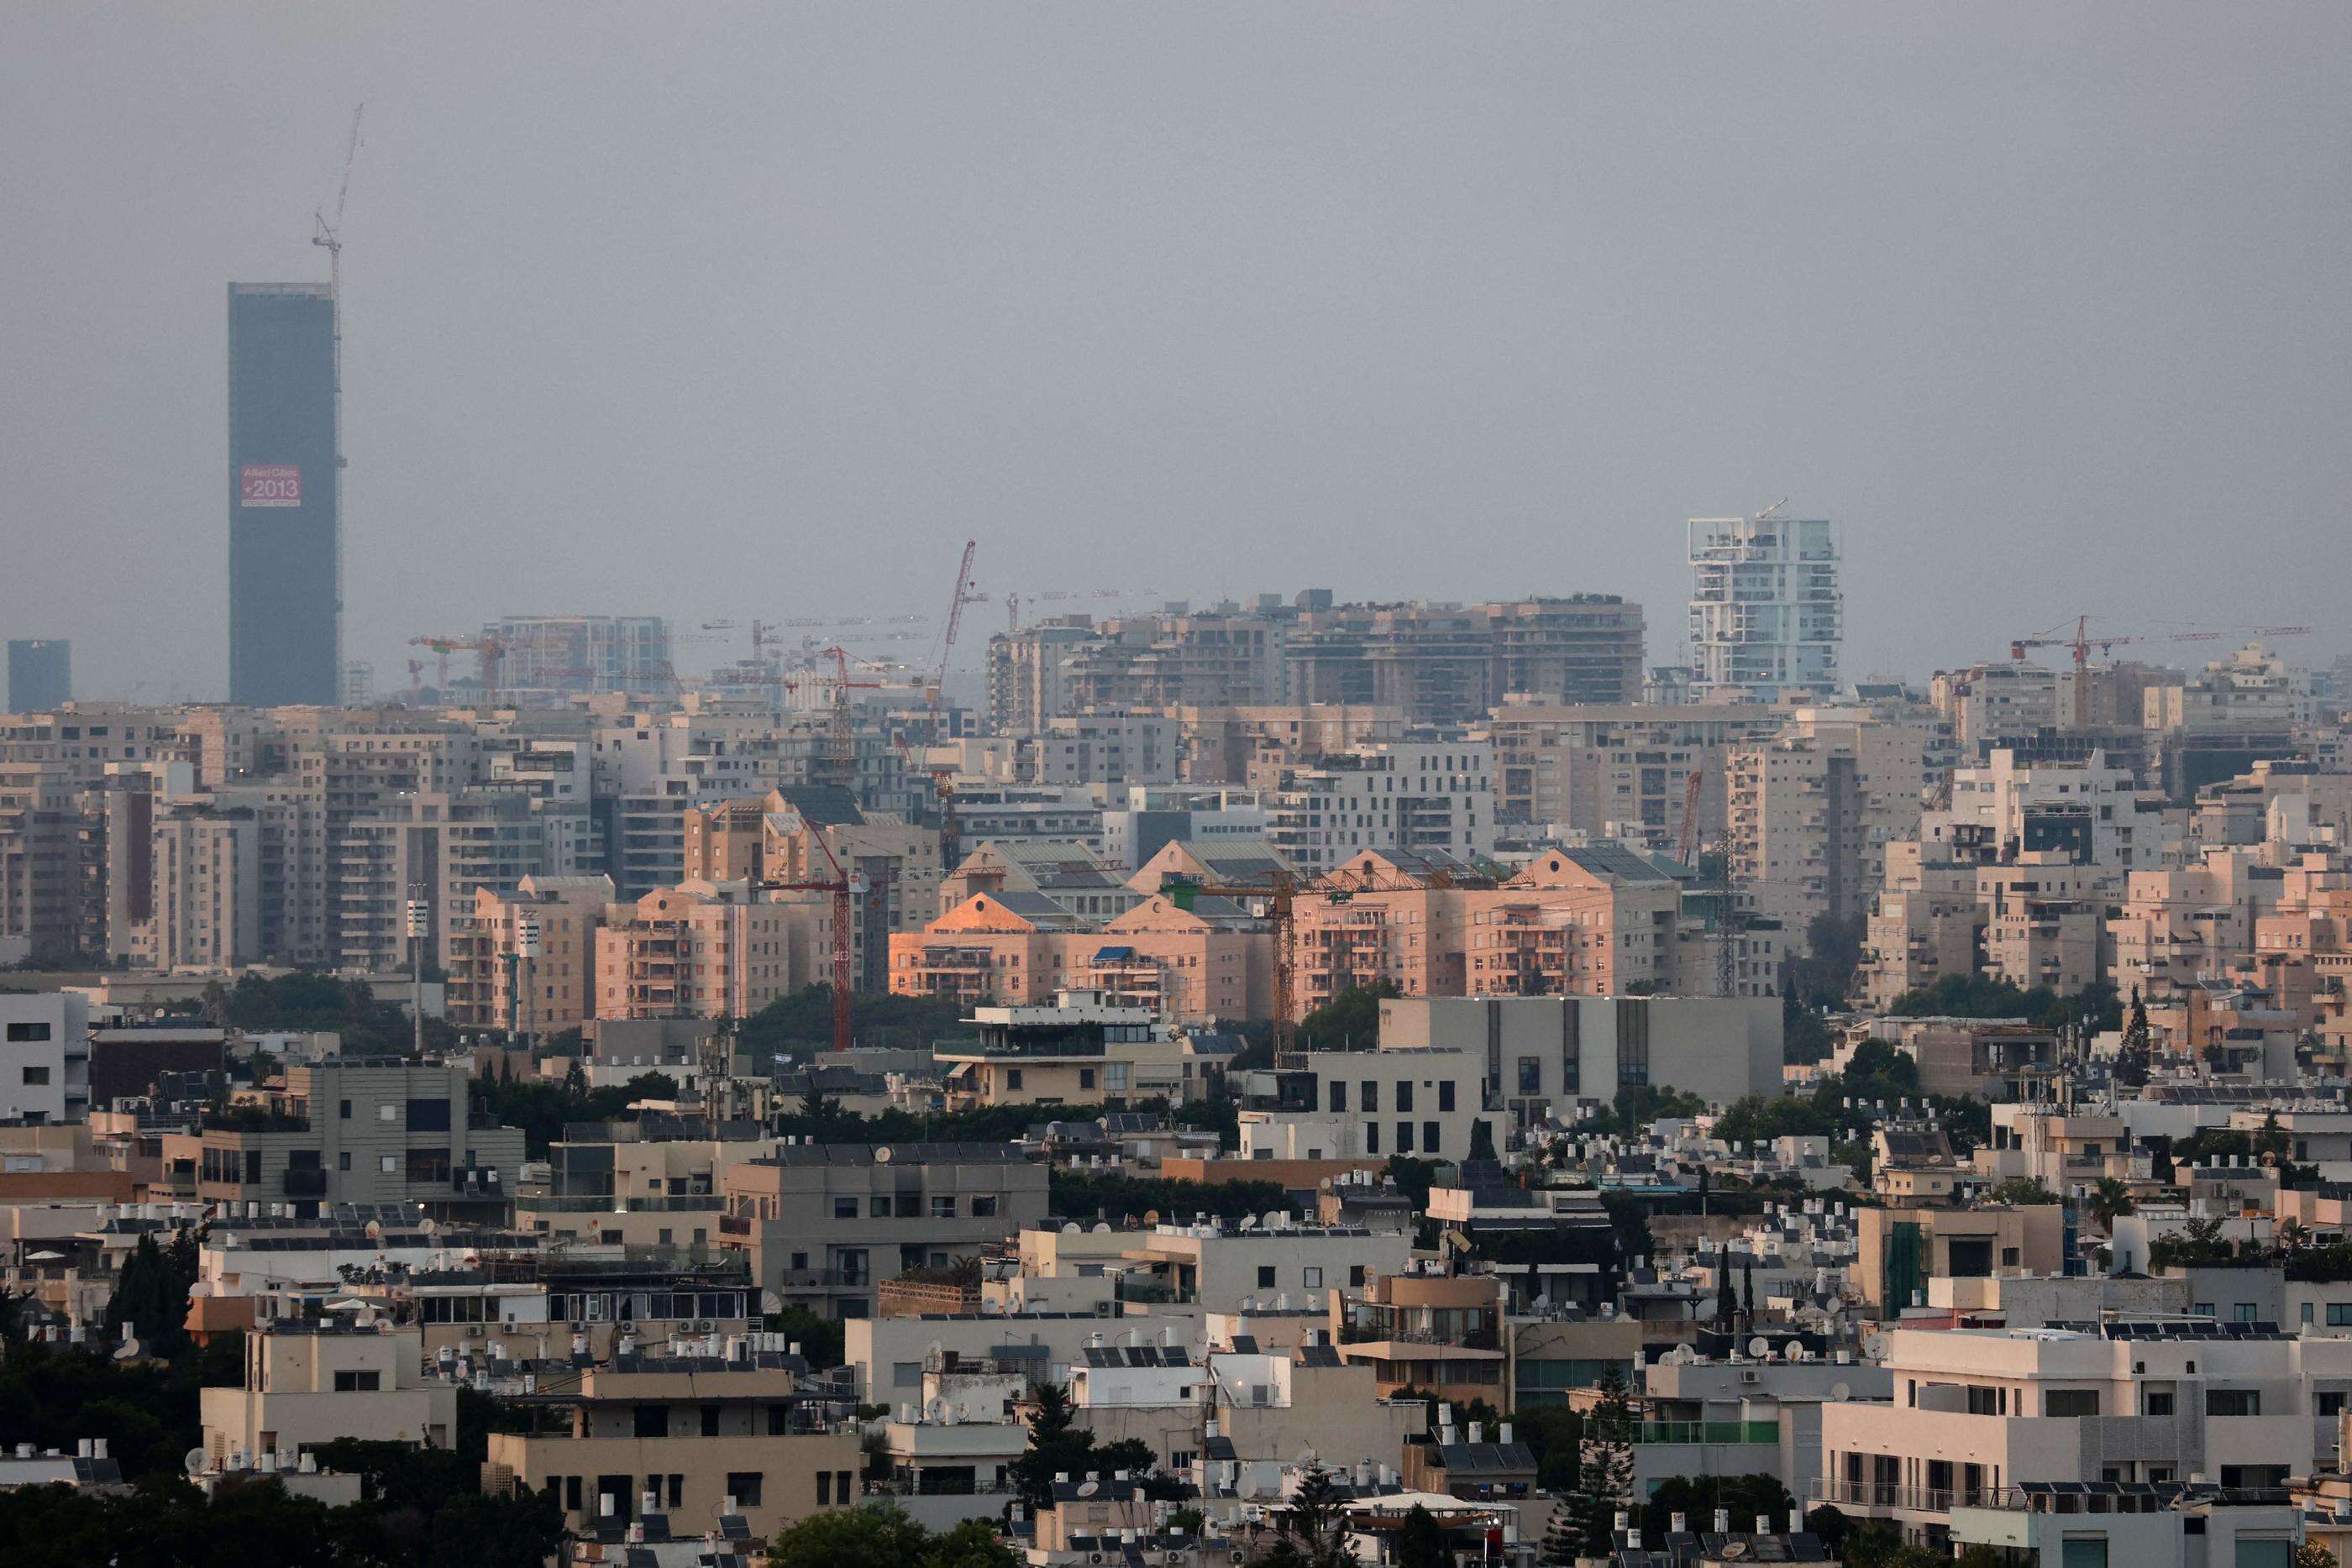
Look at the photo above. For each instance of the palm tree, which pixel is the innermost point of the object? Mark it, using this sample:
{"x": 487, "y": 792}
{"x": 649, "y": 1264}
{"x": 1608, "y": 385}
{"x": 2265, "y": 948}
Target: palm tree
{"x": 2110, "y": 1200}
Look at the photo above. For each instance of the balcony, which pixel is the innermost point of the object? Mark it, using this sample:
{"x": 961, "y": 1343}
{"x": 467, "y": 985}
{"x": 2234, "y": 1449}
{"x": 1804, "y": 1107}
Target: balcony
{"x": 1708, "y": 1432}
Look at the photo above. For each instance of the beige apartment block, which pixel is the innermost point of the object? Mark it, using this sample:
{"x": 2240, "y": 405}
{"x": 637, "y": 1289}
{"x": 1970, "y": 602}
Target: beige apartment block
{"x": 492, "y": 984}
{"x": 2181, "y": 925}
{"x": 1438, "y": 1334}
{"x": 1813, "y": 810}
{"x": 1253, "y": 745}
{"x": 1083, "y": 1049}
{"x": 1188, "y": 964}
{"x": 686, "y": 1436}
{"x": 311, "y": 1383}
{"x": 1902, "y": 1249}
{"x": 1621, "y": 770}
{"x": 696, "y": 950}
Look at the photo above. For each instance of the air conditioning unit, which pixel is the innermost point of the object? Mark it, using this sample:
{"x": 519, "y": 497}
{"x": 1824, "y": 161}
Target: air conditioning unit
{"x": 473, "y": 1331}
{"x": 1749, "y": 1374}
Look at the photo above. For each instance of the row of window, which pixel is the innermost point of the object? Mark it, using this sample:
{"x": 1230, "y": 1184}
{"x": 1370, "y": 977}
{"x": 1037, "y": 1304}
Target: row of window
{"x": 907, "y": 1205}
{"x": 1367, "y": 1095}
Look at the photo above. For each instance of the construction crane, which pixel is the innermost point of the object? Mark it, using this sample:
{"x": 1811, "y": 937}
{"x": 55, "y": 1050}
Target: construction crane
{"x": 836, "y": 758}
{"x": 839, "y": 885}
{"x": 489, "y": 649}
{"x": 329, "y": 234}
{"x": 2080, "y": 644}
{"x": 964, "y": 594}
{"x": 1688, "y": 845}
{"x": 1280, "y": 891}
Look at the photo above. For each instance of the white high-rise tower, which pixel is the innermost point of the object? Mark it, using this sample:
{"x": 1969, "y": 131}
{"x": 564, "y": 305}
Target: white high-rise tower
{"x": 1766, "y": 616}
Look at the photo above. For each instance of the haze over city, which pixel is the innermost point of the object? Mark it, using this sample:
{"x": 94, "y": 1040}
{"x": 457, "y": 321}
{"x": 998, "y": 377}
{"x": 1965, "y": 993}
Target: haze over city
{"x": 714, "y": 314}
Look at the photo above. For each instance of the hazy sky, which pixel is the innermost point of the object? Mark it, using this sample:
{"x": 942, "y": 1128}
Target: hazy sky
{"x": 722, "y": 311}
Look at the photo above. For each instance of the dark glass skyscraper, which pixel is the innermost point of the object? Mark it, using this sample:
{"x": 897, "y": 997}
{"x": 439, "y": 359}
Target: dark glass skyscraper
{"x": 40, "y": 673}
{"x": 285, "y": 526}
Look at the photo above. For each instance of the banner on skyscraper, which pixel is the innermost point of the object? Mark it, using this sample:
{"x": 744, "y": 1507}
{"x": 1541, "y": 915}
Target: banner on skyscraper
{"x": 269, "y": 485}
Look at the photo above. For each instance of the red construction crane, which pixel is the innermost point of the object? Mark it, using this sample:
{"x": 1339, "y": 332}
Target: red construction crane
{"x": 2080, "y": 644}
{"x": 838, "y": 885}
{"x": 836, "y": 758}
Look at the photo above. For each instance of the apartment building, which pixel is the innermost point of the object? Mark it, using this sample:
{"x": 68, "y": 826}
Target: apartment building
{"x": 311, "y": 1382}
{"x": 550, "y": 659}
{"x": 1421, "y": 797}
{"x": 1065, "y": 872}
{"x": 1253, "y": 745}
{"x": 342, "y": 1133}
{"x": 2251, "y": 692}
{"x": 1420, "y": 1101}
{"x": 527, "y": 960}
{"x": 700, "y": 949}
{"x": 1538, "y": 1056}
{"x": 1085, "y": 1048}
{"x": 1573, "y": 921}
{"x": 1986, "y": 704}
{"x": 1978, "y": 1414}
{"x": 44, "y": 1058}
{"x": 690, "y": 1436}
{"x": 1901, "y": 1250}
{"x": 1813, "y": 810}
{"x": 824, "y": 1223}
{"x": 2093, "y": 814}
{"x": 1766, "y": 616}
{"x": 1440, "y": 1333}
{"x": 1190, "y": 960}
{"x": 2181, "y": 924}
{"x": 1621, "y": 770}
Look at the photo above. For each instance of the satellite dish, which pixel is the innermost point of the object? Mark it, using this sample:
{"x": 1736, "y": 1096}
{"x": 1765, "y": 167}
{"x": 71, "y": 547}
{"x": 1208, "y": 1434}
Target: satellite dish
{"x": 1875, "y": 1351}
{"x": 882, "y": 1156}
{"x": 1088, "y": 1489}
{"x": 1841, "y": 1391}
{"x": 128, "y": 1350}
{"x": 45, "y": 1256}
{"x": 1794, "y": 1350}
{"x": 193, "y": 1461}
{"x": 771, "y": 1301}
{"x": 1761, "y": 1348}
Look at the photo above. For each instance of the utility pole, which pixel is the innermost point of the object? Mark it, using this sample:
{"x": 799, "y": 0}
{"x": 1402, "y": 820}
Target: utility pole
{"x": 420, "y": 923}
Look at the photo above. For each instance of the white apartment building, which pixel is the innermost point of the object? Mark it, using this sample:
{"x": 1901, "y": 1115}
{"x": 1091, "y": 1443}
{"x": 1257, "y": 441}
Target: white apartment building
{"x": 1978, "y": 1412}
{"x": 1429, "y": 797}
{"x": 2253, "y": 691}
{"x": 2091, "y": 812}
{"x": 1766, "y": 616}
{"x": 1988, "y": 702}
{"x": 44, "y": 1058}
{"x": 1365, "y": 1104}
{"x": 1621, "y": 770}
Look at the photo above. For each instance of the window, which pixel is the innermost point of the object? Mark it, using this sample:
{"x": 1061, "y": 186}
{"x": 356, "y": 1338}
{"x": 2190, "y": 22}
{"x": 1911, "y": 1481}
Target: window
{"x": 429, "y": 1165}
{"x": 1531, "y": 1080}
{"x": 906, "y": 1374}
{"x": 1370, "y": 1097}
{"x": 387, "y": 1111}
{"x": 2244, "y": 1313}
{"x": 1356, "y": 1275}
{"x": 943, "y": 1207}
{"x": 983, "y": 1205}
{"x": 429, "y": 1115}
{"x": 2326, "y": 1404}
{"x": 2009, "y": 1255}
{"x": 2307, "y": 1312}
{"x": 36, "y": 1076}
{"x": 1371, "y": 1137}
{"x": 779, "y": 1419}
{"x": 1446, "y": 1094}
{"x": 1265, "y": 1277}
{"x": 2339, "y": 1314}
{"x": 650, "y": 1421}
{"x": 1012, "y": 1081}
{"x": 343, "y": 1160}
{"x": 1339, "y": 1095}
{"x": 26, "y": 1033}
{"x": 2263, "y": 1554}
{"x": 1314, "y": 1278}
{"x": 2233, "y": 1402}
{"x": 2071, "y": 1402}
{"x": 388, "y": 1165}
{"x": 845, "y": 1209}
{"x": 1429, "y": 1138}
{"x": 343, "y": 1109}
{"x": 1404, "y": 1137}
{"x": 1086, "y": 1077}
{"x": 743, "y": 1486}
{"x": 2083, "y": 1552}
{"x": 710, "y": 1420}
{"x": 1404, "y": 1095}
{"x": 358, "y": 1382}
{"x": 2159, "y": 1402}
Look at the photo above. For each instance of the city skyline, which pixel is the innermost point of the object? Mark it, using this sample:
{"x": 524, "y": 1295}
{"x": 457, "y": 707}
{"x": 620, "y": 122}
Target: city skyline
{"x": 1473, "y": 281}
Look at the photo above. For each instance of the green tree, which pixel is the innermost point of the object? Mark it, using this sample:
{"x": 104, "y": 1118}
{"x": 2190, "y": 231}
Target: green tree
{"x": 2110, "y": 1200}
{"x": 1605, "y": 1482}
{"x": 1315, "y": 1525}
{"x": 2136, "y": 1056}
{"x": 1350, "y": 1021}
{"x": 2022, "y": 1190}
{"x": 880, "y": 1537}
{"x": 1698, "y": 1496}
{"x": 970, "y": 1544}
{"x": 1421, "y": 1541}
